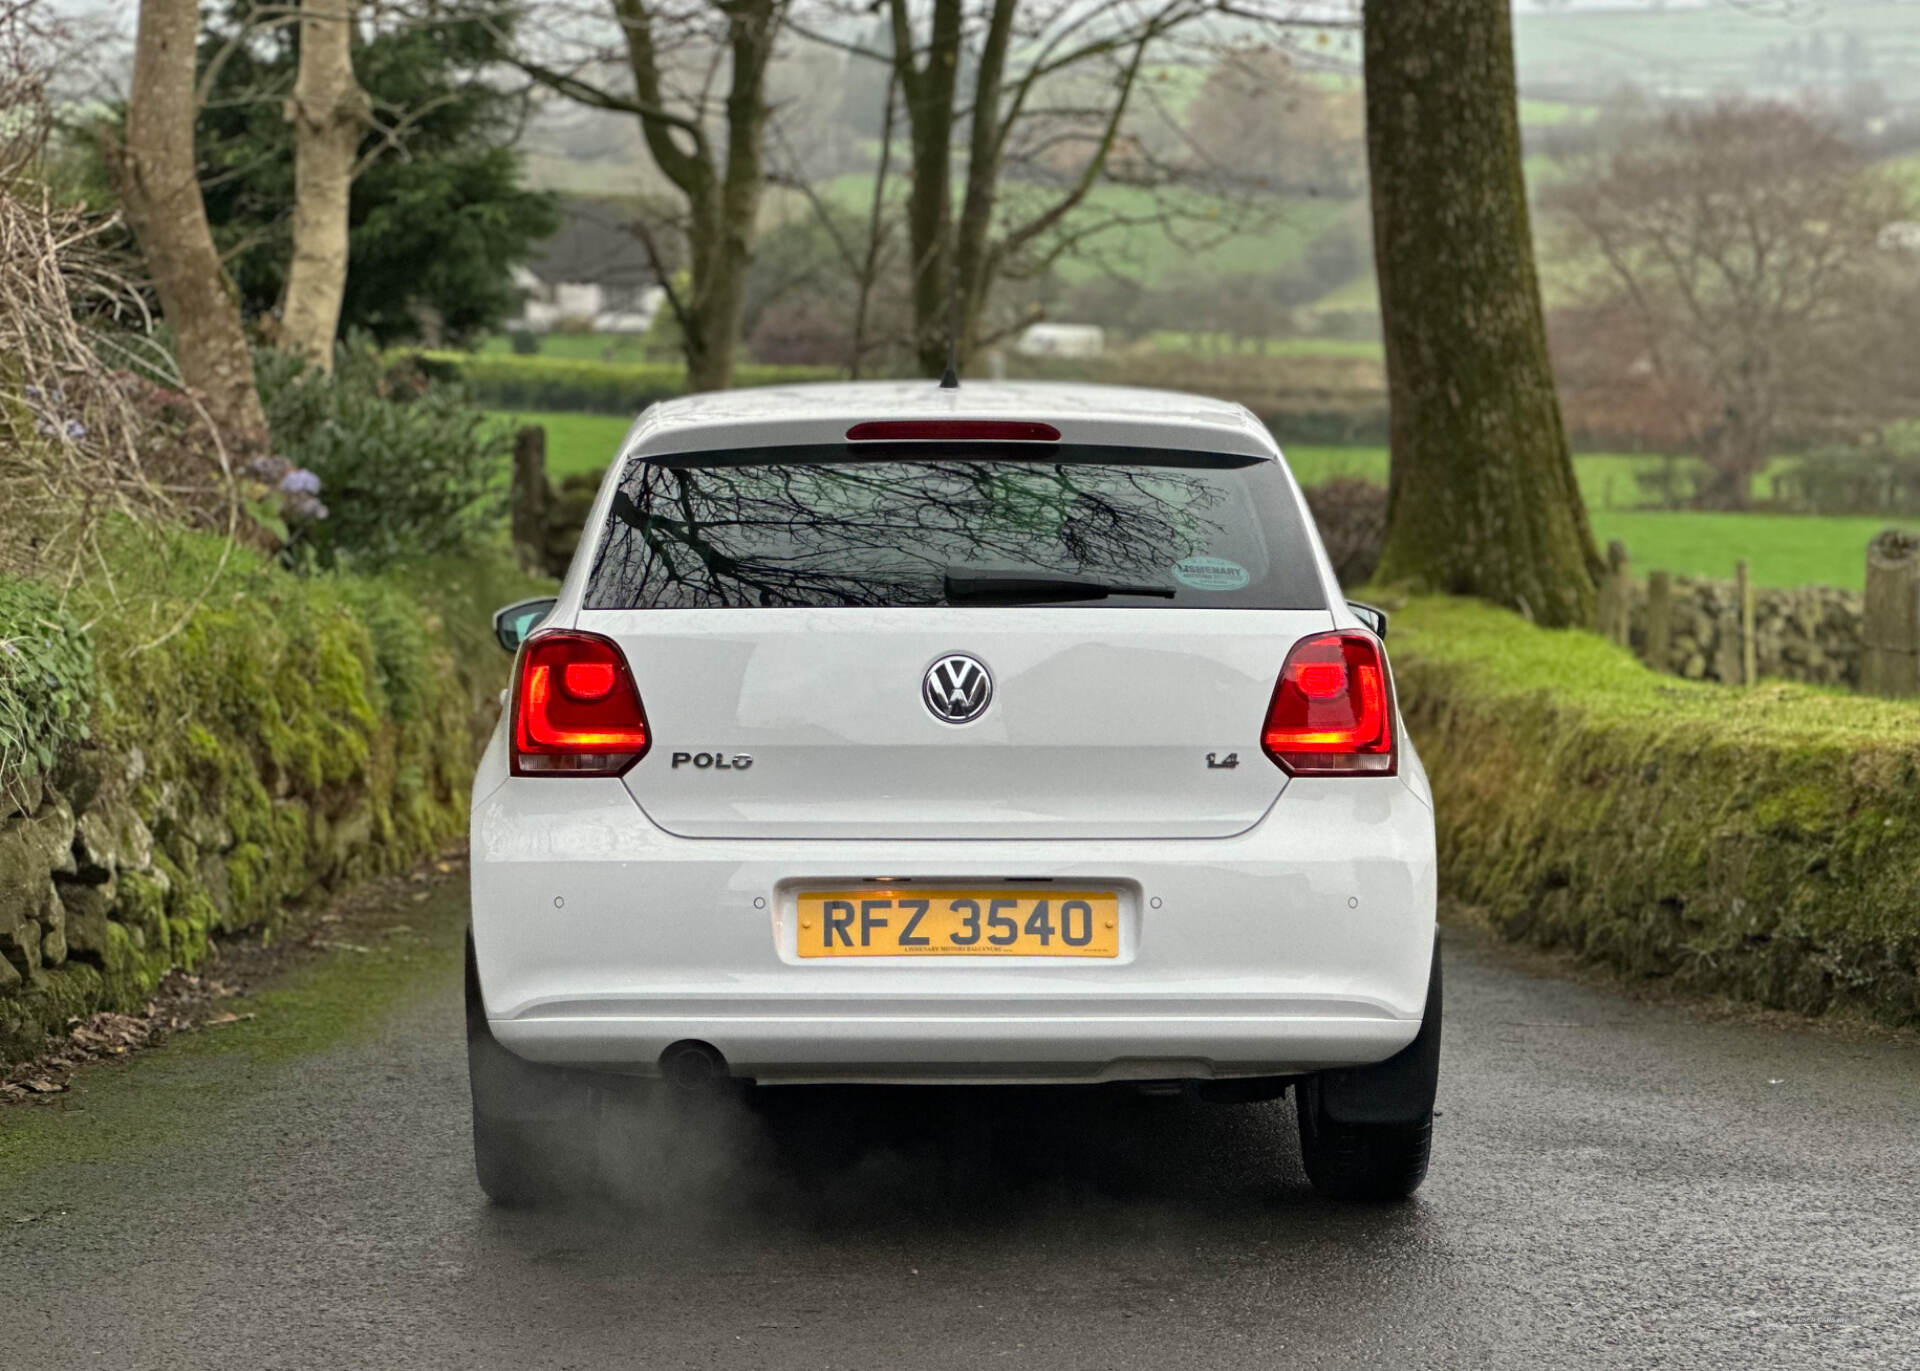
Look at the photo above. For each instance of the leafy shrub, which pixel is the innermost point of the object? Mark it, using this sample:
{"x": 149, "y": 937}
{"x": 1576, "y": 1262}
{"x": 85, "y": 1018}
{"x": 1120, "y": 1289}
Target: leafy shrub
{"x": 524, "y": 342}
{"x": 801, "y": 328}
{"x": 1878, "y": 476}
{"x": 1674, "y": 483}
{"x": 1352, "y": 517}
{"x": 406, "y": 467}
{"x": 46, "y": 679}
{"x": 552, "y": 383}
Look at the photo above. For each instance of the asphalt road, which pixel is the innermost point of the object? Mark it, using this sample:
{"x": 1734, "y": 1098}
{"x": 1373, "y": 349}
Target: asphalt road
{"x": 1615, "y": 1185}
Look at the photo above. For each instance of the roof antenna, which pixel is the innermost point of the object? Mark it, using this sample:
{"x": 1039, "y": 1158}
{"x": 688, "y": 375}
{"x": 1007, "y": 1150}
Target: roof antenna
{"x": 950, "y": 378}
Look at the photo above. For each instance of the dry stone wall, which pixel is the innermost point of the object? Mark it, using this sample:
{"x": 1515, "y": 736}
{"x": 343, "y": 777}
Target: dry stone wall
{"x": 1810, "y": 633}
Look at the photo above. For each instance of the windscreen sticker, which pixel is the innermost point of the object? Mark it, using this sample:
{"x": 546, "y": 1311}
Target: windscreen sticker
{"x": 1211, "y": 573}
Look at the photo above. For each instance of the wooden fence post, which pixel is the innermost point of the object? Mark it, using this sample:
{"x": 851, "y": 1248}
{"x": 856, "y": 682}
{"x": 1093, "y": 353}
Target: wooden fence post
{"x": 1620, "y": 576}
{"x": 1749, "y": 649}
{"x": 1659, "y": 621}
{"x": 1892, "y": 625}
{"x": 1615, "y": 608}
{"x": 531, "y": 496}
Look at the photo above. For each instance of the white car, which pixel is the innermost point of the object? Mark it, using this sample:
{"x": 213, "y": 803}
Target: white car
{"x": 1009, "y": 733}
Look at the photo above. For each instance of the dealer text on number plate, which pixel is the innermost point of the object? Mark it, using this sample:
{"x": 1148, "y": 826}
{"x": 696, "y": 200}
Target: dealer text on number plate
{"x": 955, "y": 923}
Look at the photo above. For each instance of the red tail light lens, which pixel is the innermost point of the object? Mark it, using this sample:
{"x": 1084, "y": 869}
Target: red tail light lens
{"x": 576, "y": 711}
{"x": 1332, "y": 710}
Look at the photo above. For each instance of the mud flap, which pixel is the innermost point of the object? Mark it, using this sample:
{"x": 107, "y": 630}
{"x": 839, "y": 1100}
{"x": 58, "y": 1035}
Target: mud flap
{"x": 510, "y": 1088}
{"x": 1399, "y": 1090}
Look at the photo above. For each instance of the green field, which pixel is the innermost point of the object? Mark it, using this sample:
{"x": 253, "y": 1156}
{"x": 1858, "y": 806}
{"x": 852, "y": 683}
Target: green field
{"x": 1202, "y": 243}
{"x": 1606, "y": 478}
{"x": 575, "y": 442}
{"x": 1783, "y": 549}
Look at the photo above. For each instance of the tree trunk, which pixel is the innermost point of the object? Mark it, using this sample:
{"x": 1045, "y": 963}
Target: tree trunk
{"x": 162, "y": 195}
{"x": 1482, "y": 499}
{"x": 723, "y": 202}
{"x": 752, "y": 28}
{"x": 329, "y": 112}
{"x": 929, "y": 93}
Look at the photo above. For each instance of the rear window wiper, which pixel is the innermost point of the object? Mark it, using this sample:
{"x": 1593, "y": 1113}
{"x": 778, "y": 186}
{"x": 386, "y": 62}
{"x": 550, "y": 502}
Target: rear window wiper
{"x": 1026, "y": 587}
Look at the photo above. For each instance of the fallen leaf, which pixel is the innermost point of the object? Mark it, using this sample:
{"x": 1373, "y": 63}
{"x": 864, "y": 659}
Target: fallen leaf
{"x": 219, "y": 1019}
{"x": 41, "y": 1086}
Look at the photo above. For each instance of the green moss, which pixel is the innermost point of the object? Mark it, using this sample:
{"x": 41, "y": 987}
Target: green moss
{"x": 1763, "y": 843}
{"x": 297, "y": 732}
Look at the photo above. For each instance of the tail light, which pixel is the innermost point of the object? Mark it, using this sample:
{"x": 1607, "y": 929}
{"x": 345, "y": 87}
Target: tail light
{"x": 1332, "y": 709}
{"x": 576, "y": 711}
{"x": 938, "y": 430}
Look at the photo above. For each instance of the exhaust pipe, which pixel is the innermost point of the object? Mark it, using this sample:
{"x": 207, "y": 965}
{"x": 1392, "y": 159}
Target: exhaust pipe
{"x": 692, "y": 1066}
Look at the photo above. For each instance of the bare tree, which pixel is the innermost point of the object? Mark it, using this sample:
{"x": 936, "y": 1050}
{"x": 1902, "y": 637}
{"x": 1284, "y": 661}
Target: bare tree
{"x": 1039, "y": 125}
{"x": 159, "y": 186}
{"x": 1735, "y": 282}
{"x": 1481, "y": 496}
{"x": 673, "y": 54}
{"x": 330, "y": 113}
{"x": 1261, "y": 119}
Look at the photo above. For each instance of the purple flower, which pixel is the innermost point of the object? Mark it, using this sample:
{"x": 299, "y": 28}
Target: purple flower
{"x": 300, "y": 481}
{"x": 303, "y": 508}
{"x": 76, "y": 430}
{"x": 33, "y": 394}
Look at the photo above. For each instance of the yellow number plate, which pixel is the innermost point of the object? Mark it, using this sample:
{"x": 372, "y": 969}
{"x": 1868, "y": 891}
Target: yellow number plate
{"x": 959, "y": 923}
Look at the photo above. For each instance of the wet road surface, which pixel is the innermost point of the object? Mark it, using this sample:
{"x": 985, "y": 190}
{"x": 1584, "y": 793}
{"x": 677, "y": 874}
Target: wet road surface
{"x": 1615, "y": 1185}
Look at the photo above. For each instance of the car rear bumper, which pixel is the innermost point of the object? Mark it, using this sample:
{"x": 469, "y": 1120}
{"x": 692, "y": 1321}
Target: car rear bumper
{"x": 1302, "y": 944}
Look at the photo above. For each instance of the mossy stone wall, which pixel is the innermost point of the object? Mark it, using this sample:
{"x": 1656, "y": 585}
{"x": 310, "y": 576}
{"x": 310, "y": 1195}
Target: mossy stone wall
{"x": 1760, "y": 842}
{"x": 286, "y": 735}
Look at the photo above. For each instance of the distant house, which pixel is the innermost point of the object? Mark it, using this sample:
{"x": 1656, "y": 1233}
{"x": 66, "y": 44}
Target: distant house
{"x": 594, "y": 273}
{"x": 1061, "y": 340}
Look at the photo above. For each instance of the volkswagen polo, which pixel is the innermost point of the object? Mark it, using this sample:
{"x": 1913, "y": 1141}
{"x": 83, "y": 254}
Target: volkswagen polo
{"x": 1006, "y": 733}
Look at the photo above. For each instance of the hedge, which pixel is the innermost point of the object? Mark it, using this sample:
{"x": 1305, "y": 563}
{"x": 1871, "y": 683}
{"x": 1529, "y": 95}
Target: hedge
{"x": 257, "y": 740}
{"x": 1302, "y": 399}
{"x": 1762, "y": 843}
{"x": 553, "y": 383}
{"x": 1321, "y": 400}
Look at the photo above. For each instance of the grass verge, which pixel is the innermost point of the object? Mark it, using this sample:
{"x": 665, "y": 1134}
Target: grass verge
{"x": 1761, "y": 843}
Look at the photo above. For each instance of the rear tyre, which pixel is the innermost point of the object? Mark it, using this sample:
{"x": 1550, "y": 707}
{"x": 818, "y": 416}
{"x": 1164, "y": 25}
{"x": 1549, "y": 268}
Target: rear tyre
{"x": 1361, "y": 1161}
{"x": 519, "y": 1166}
{"x": 1366, "y": 1133}
{"x": 532, "y": 1139}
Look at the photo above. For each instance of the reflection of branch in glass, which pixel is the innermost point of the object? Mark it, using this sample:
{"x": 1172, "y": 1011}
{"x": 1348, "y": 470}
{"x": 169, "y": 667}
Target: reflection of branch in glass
{"x": 886, "y": 533}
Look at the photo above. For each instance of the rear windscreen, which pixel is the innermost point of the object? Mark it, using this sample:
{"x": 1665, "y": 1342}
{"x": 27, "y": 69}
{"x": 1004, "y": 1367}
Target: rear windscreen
{"x": 908, "y": 527}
